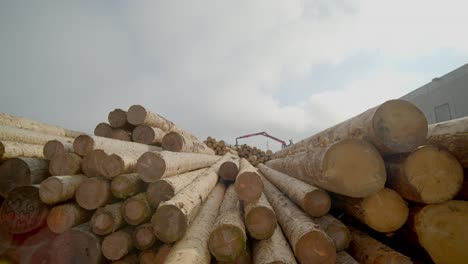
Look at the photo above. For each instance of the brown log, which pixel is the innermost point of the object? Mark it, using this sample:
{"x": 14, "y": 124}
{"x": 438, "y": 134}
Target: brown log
{"x": 176, "y": 142}
{"x": 427, "y": 175}
{"x": 273, "y": 250}
{"x": 157, "y": 255}
{"x": 148, "y": 135}
{"x": 138, "y": 115}
{"x": 119, "y": 163}
{"x": 395, "y": 126}
{"x": 173, "y": 217}
{"x": 367, "y": 250}
{"x": 126, "y": 185}
{"x": 93, "y": 193}
{"x": 336, "y": 230}
{"x": 136, "y": 209}
{"x": 309, "y": 243}
{"x": 23, "y": 210}
{"x": 58, "y": 189}
{"x": 228, "y": 238}
{"x": 20, "y": 172}
{"x": 129, "y": 259}
{"x": 65, "y": 216}
{"x": 118, "y": 244}
{"x": 384, "y": 211}
{"x": 83, "y": 144}
{"x": 107, "y": 219}
{"x": 350, "y": 167}
{"x": 244, "y": 258}
{"x": 103, "y": 130}
{"x": 55, "y": 147}
{"x": 260, "y": 219}
{"x": 143, "y": 236}
{"x": 77, "y": 245}
{"x": 9, "y": 150}
{"x": 311, "y": 199}
{"x": 249, "y": 185}
{"x": 121, "y": 134}
{"x": 6, "y": 239}
{"x": 91, "y": 163}
{"x": 166, "y": 188}
{"x": 13, "y": 134}
{"x": 118, "y": 119}
{"x": 192, "y": 248}
{"x": 36, "y": 247}
{"x": 453, "y": 136}
{"x": 65, "y": 164}
{"x": 32, "y": 125}
{"x": 343, "y": 257}
{"x": 155, "y": 165}
{"x": 229, "y": 170}
{"x": 441, "y": 229}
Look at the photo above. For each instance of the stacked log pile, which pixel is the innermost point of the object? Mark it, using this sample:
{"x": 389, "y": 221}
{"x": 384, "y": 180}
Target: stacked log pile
{"x": 220, "y": 147}
{"x": 92, "y": 199}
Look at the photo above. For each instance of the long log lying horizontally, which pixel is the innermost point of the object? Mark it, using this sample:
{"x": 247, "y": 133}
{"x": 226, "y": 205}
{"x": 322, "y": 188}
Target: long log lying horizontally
{"x": 309, "y": 243}
{"x": 427, "y": 175}
{"x": 65, "y": 216}
{"x": 311, "y": 199}
{"x": 249, "y": 184}
{"x": 10, "y": 149}
{"x": 83, "y": 144}
{"x": 193, "y": 247}
{"x": 395, "y": 126}
{"x": 127, "y": 185}
{"x": 260, "y": 219}
{"x": 107, "y": 219}
{"x": 349, "y": 167}
{"x": 138, "y": 115}
{"x": 8, "y": 133}
{"x": 20, "y": 172}
{"x": 177, "y": 142}
{"x": 58, "y": 189}
{"x": 273, "y": 250}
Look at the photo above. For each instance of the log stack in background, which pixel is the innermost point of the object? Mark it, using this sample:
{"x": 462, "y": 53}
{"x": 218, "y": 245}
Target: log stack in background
{"x": 73, "y": 198}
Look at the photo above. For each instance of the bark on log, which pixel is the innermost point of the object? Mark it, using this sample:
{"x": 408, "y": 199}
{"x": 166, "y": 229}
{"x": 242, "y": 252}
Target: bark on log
{"x": 193, "y": 247}
{"x": 350, "y": 167}
{"x": 57, "y": 147}
{"x": 77, "y": 245}
{"x": 28, "y": 124}
{"x": 23, "y": 210}
{"x": 127, "y": 185}
{"x": 249, "y": 184}
{"x": 176, "y": 142}
{"x": 65, "y": 164}
{"x": 228, "y": 239}
{"x": 453, "y": 136}
{"x": 65, "y": 216}
{"x": 58, "y": 189}
{"x": 9, "y": 150}
{"x": 136, "y": 209}
{"x": 118, "y": 119}
{"x": 155, "y": 165}
{"x": 260, "y": 219}
{"x": 93, "y": 193}
{"x": 118, "y": 244}
{"x": 164, "y": 189}
{"x": 395, "y": 126}
{"x": 20, "y": 172}
{"x": 91, "y": 163}
{"x": 311, "y": 199}
{"x": 428, "y": 175}
{"x": 13, "y": 134}
{"x": 148, "y": 135}
{"x": 367, "y": 250}
{"x": 143, "y": 236}
{"x": 343, "y": 257}
{"x": 309, "y": 243}
{"x": 119, "y": 163}
{"x": 336, "y": 230}
{"x": 82, "y": 145}
{"x": 384, "y": 211}
{"x": 107, "y": 219}
{"x": 173, "y": 217}
{"x": 274, "y": 250}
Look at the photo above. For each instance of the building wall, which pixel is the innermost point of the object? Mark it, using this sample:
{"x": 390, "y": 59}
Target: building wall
{"x": 444, "y": 98}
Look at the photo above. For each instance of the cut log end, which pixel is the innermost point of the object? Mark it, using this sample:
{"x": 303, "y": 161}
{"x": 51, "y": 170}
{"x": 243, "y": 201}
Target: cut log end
{"x": 227, "y": 243}
{"x": 134, "y": 211}
{"x": 52, "y": 148}
{"x": 102, "y": 223}
{"x": 340, "y": 235}
{"x": 143, "y": 134}
{"x": 359, "y": 162}
{"x": 59, "y": 220}
{"x": 115, "y": 245}
{"x": 159, "y": 191}
{"x": 228, "y": 171}
{"x": 173, "y": 141}
{"x": 83, "y": 144}
{"x": 144, "y": 237}
{"x": 112, "y": 166}
{"x": 136, "y": 115}
{"x": 117, "y": 118}
{"x": 151, "y": 166}
{"x": 261, "y": 223}
{"x": 249, "y": 186}
{"x": 315, "y": 247}
{"x": 92, "y": 193}
{"x": 317, "y": 203}
{"x": 169, "y": 223}
{"x": 400, "y": 126}
{"x": 103, "y": 130}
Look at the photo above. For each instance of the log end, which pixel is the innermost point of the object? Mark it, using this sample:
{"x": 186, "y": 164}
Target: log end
{"x": 227, "y": 242}
{"x": 173, "y": 141}
{"x": 340, "y": 235}
{"x": 14, "y": 173}
{"x": 261, "y": 223}
{"x": 159, "y": 191}
{"x": 117, "y": 118}
{"x": 143, "y": 134}
{"x": 76, "y": 246}
{"x": 136, "y": 115}
{"x": 151, "y": 166}
{"x": 83, "y": 144}
{"x": 134, "y": 211}
{"x": 112, "y": 166}
{"x": 249, "y": 186}
{"x": 114, "y": 245}
{"x": 169, "y": 223}
{"x": 102, "y": 222}
{"x": 103, "y": 130}
{"x": 228, "y": 171}
{"x": 144, "y": 237}
{"x": 92, "y": 193}
{"x": 59, "y": 220}
{"x": 52, "y": 148}
{"x": 315, "y": 247}
{"x": 317, "y": 203}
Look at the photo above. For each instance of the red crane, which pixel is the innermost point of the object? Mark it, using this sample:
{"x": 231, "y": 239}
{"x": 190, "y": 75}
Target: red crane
{"x": 283, "y": 143}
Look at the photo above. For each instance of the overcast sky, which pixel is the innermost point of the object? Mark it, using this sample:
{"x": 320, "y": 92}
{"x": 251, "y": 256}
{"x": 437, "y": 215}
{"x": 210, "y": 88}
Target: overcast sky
{"x": 223, "y": 68}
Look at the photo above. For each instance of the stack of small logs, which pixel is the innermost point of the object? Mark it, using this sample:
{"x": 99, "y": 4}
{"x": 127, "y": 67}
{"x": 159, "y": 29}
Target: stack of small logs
{"x": 377, "y": 188}
{"x": 253, "y": 154}
{"x": 220, "y": 147}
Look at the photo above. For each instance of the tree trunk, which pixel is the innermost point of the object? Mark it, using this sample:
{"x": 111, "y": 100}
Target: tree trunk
{"x": 176, "y": 142}
{"x": 9, "y": 150}
{"x": 148, "y": 135}
{"x": 249, "y": 184}
{"x": 82, "y": 145}
{"x": 192, "y": 248}
{"x": 58, "y": 189}
{"x": 173, "y": 217}
{"x": 118, "y": 244}
{"x": 384, "y": 211}
{"x": 93, "y": 193}
{"x": 143, "y": 236}
{"x": 349, "y": 167}
{"x": 23, "y": 210}
{"x": 229, "y": 170}
{"x": 20, "y": 172}
{"x": 166, "y": 188}
{"x": 136, "y": 209}
{"x": 127, "y": 185}
{"x": 427, "y": 175}
{"x": 367, "y": 250}
{"x": 260, "y": 219}
{"x": 57, "y": 147}
{"x": 311, "y": 199}
{"x": 65, "y": 164}
{"x": 65, "y": 216}
{"x": 336, "y": 230}
{"x": 273, "y": 250}
{"x": 155, "y": 165}
{"x": 344, "y": 258}
{"x": 395, "y": 126}
{"x": 13, "y": 134}
{"x": 107, "y": 219}
{"x": 303, "y": 234}
{"x": 91, "y": 163}
{"x": 453, "y": 136}
{"x": 118, "y": 119}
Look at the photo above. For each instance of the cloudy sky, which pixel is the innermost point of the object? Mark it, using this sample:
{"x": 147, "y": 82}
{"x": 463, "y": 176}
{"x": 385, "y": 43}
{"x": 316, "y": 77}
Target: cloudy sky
{"x": 223, "y": 68}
